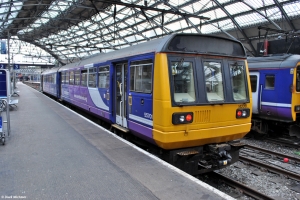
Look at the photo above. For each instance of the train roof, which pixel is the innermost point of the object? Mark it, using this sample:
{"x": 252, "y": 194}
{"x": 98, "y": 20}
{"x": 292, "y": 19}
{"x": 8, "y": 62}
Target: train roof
{"x": 281, "y": 61}
{"x": 171, "y": 43}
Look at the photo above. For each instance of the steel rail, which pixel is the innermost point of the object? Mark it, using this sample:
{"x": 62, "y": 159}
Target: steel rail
{"x": 245, "y": 189}
{"x": 270, "y": 168}
{"x": 273, "y": 153}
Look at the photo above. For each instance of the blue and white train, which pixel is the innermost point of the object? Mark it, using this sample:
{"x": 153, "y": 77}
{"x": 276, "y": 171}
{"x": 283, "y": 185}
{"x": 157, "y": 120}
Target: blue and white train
{"x": 275, "y": 83}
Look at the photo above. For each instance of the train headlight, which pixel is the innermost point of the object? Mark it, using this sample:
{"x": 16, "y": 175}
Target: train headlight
{"x": 242, "y": 113}
{"x": 297, "y": 108}
{"x": 182, "y": 118}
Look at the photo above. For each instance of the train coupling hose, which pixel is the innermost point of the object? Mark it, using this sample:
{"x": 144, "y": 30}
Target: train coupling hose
{"x": 227, "y": 160}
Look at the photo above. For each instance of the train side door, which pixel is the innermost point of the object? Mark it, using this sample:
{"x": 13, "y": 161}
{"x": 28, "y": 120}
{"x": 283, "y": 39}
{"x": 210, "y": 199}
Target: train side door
{"x": 269, "y": 99}
{"x": 256, "y": 92}
{"x": 120, "y": 89}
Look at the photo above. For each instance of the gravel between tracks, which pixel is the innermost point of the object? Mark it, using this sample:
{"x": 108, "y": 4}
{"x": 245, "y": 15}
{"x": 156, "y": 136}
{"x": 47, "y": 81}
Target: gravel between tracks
{"x": 268, "y": 183}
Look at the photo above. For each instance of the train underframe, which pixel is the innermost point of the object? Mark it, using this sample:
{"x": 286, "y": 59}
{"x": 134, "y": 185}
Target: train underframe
{"x": 262, "y": 127}
{"x": 203, "y": 159}
{"x": 193, "y": 160}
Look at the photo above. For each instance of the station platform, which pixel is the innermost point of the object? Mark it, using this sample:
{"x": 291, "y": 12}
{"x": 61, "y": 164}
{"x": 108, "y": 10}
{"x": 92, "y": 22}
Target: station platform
{"x": 54, "y": 153}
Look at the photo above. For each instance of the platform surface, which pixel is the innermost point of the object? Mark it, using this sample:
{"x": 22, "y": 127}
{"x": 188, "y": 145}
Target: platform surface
{"x": 53, "y": 153}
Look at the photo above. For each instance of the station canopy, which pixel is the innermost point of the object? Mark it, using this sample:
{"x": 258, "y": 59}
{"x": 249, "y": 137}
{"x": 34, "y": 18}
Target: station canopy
{"x": 65, "y": 31}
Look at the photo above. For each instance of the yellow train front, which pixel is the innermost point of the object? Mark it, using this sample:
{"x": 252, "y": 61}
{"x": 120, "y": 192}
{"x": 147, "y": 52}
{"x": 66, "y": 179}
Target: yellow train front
{"x": 201, "y": 102}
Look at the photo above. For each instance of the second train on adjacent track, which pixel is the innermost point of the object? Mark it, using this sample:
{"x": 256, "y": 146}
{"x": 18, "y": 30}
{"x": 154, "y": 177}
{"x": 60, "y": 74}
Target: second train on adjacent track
{"x": 187, "y": 96}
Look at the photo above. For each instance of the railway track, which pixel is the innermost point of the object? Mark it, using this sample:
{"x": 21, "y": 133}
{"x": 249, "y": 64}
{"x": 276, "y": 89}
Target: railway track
{"x": 284, "y": 142}
{"x": 256, "y": 164}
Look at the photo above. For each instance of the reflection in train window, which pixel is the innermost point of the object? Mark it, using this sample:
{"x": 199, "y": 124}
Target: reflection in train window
{"x": 141, "y": 76}
{"x": 183, "y": 81}
{"x": 214, "y": 81}
{"x": 103, "y": 75}
{"x": 238, "y": 81}
{"x": 92, "y": 77}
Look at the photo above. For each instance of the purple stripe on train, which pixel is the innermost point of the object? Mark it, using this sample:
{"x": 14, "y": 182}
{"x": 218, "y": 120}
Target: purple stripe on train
{"x": 141, "y": 131}
{"x": 282, "y": 112}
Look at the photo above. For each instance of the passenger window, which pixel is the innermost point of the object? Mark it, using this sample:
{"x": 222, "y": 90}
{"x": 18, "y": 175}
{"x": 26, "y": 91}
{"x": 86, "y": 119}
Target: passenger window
{"x": 298, "y": 79}
{"x": 253, "y": 80}
{"x": 103, "y": 77}
{"x": 213, "y": 81}
{"x": 238, "y": 81}
{"x": 77, "y": 77}
{"x": 84, "y": 78}
{"x": 92, "y": 77}
{"x": 63, "y": 77}
{"x": 67, "y": 77}
{"x": 183, "y": 81}
{"x": 141, "y": 76}
{"x": 270, "y": 82}
{"x": 71, "y": 78}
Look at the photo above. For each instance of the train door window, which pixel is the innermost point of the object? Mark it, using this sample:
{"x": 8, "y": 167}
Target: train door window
{"x": 183, "y": 81}
{"x": 71, "y": 78}
{"x": 103, "y": 81}
{"x": 92, "y": 77}
{"x": 213, "y": 80}
{"x": 238, "y": 81}
{"x": 63, "y": 78}
{"x": 298, "y": 79}
{"x": 141, "y": 76}
{"x": 84, "y": 77}
{"x": 77, "y": 77}
{"x": 270, "y": 82}
{"x": 253, "y": 79}
{"x": 67, "y": 77}
{"x": 53, "y": 78}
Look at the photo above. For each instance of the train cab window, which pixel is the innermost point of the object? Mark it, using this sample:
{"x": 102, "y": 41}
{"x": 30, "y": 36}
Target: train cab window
{"x": 270, "y": 82}
{"x": 238, "y": 81}
{"x": 298, "y": 79}
{"x": 213, "y": 81}
{"x": 77, "y": 77}
{"x": 92, "y": 77}
{"x": 183, "y": 81}
{"x": 84, "y": 77}
{"x": 71, "y": 78}
{"x": 141, "y": 76}
{"x": 103, "y": 81}
{"x": 253, "y": 79}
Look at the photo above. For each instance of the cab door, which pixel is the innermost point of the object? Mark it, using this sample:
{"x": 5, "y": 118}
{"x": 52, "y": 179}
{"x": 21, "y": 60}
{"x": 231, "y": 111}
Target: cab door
{"x": 120, "y": 89}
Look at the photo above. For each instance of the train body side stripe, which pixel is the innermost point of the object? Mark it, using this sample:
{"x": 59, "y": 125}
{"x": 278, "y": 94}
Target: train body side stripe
{"x": 96, "y": 98}
{"x": 276, "y": 104}
{"x": 140, "y": 119}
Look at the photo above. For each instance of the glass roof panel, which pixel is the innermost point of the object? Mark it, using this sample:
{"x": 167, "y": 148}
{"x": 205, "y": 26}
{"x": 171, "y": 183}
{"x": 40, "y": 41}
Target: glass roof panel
{"x": 9, "y": 11}
{"x": 259, "y": 4}
{"x": 237, "y": 8}
{"x": 292, "y": 9}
